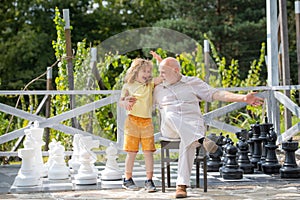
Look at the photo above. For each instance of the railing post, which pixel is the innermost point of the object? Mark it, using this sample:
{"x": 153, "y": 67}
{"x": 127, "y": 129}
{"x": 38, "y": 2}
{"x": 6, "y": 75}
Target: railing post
{"x": 121, "y": 114}
{"x": 69, "y": 61}
{"x": 48, "y": 106}
{"x": 207, "y": 74}
{"x": 273, "y": 111}
{"x": 297, "y": 16}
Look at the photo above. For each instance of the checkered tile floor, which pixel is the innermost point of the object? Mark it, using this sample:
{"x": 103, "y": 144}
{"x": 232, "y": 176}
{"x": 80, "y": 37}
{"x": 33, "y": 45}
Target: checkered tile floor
{"x": 139, "y": 176}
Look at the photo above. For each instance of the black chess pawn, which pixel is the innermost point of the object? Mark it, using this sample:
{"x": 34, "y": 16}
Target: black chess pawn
{"x": 271, "y": 164}
{"x": 226, "y": 141}
{"x": 250, "y": 142}
{"x": 220, "y": 141}
{"x": 243, "y": 159}
{"x": 243, "y": 133}
{"x": 231, "y": 169}
{"x": 264, "y": 130}
{"x": 290, "y": 168}
{"x": 214, "y": 163}
{"x": 256, "y": 144}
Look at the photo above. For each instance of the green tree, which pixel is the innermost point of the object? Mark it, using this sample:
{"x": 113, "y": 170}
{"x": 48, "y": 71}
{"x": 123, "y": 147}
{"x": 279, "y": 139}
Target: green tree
{"x": 236, "y": 27}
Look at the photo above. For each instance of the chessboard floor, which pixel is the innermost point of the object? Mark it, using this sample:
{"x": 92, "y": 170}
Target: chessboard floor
{"x": 214, "y": 180}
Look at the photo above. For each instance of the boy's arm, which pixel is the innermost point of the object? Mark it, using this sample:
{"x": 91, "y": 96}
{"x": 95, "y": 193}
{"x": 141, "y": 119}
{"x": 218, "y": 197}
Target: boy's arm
{"x": 156, "y": 56}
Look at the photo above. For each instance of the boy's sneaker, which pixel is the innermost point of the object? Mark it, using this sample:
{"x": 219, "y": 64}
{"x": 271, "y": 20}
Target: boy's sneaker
{"x": 129, "y": 184}
{"x": 149, "y": 186}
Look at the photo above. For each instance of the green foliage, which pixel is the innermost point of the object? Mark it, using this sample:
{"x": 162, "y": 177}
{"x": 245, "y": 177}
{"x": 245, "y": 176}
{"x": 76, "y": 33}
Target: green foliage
{"x": 230, "y": 78}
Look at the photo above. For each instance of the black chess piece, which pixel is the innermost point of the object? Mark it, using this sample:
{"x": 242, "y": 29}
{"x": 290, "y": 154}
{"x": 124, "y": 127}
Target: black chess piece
{"x": 214, "y": 163}
{"x": 250, "y": 142}
{"x": 264, "y": 130}
{"x": 290, "y": 168}
{"x": 243, "y": 159}
{"x": 231, "y": 168}
{"x": 256, "y": 144}
{"x": 271, "y": 164}
{"x": 226, "y": 141}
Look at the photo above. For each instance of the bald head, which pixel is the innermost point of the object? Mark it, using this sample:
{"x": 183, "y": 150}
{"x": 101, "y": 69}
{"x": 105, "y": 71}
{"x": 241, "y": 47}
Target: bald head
{"x": 171, "y": 62}
{"x": 169, "y": 69}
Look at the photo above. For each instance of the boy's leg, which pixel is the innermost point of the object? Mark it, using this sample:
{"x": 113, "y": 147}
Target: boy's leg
{"x": 149, "y": 164}
{"x": 129, "y": 163}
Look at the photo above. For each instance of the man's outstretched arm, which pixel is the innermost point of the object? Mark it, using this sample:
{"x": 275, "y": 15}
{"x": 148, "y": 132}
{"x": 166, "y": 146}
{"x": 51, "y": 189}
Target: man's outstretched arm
{"x": 249, "y": 98}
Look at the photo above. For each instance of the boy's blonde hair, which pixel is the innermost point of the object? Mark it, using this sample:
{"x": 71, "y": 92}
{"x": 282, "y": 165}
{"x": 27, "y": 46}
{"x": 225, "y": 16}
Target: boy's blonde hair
{"x": 136, "y": 65}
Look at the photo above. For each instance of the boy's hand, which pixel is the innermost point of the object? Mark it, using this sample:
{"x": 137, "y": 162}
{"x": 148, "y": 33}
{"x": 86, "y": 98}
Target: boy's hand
{"x": 156, "y": 56}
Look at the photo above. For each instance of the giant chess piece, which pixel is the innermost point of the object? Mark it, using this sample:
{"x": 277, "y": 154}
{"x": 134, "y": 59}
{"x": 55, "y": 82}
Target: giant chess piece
{"x": 111, "y": 171}
{"x": 271, "y": 164}
{"x": 27, "y": 174}
{"x": 231, "y": 168}
{"x": 256, "y": 144}
{"x": 264, "y": 130}
{"x": 87, "y": 174}
{"x": 243, "y": 159}
{"x": 214, "y": 163}
{"x": 58, "y": 169}
{"x": 74, "y": 163}
{"x": 250, "y": 142}
{"x": 50, "y": 153}
{"x": 226, "y": 142}
{"x": 290, "y": 168}
{"x": 36, "y": 135}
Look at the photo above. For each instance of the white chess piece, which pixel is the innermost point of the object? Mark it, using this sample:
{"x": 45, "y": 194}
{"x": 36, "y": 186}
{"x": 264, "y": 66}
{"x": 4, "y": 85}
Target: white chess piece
{"x": 74, "y": 163}
{"x": 111, "y": 171}
{"x": 52, "y": 145}
{"x": 36, "y": 134}
{"x": 86, "y": 173}
{"x": 26, "y": 175}
{"x": 58, "y": 169}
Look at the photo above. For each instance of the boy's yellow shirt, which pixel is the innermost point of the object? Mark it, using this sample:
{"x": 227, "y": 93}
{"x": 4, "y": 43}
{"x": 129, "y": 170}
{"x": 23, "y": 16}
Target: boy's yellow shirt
{"x": 143, "y": 93}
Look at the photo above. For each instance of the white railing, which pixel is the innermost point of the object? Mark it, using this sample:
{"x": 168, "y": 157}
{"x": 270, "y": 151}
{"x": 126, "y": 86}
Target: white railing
{"x": 272, "y": 96}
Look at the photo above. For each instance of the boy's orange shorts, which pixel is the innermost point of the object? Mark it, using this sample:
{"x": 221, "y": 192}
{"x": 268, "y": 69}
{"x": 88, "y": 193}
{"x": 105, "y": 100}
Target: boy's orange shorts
{"x": 138, "y": 131}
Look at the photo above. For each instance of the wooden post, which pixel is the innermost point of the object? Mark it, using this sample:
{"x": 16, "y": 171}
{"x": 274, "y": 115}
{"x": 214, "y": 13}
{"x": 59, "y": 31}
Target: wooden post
{"x": 285, "y": 58}
{"x": 48, "y": 107}
{"x": 297, "y": 16}
{"x": 69, "y": 61}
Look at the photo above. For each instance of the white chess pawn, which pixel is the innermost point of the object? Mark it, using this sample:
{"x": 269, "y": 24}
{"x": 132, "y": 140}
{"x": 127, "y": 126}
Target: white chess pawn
{"x": 58, "y": 169}
{"x": 111, "y": 171}
{"x": 26, "y": 175}
{"x": 52, "y": 145}
{"x": 74, "y": 163}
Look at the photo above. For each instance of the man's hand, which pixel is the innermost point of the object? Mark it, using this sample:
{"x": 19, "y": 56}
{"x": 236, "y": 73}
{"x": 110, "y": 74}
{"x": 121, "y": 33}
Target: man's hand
{"x": 129, "y": 102}
{"x": 253, "y": 100}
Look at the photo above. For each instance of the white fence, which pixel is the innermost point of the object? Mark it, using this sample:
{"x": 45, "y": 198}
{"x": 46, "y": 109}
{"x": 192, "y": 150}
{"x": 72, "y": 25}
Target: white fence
{"x": 273, "y": 97}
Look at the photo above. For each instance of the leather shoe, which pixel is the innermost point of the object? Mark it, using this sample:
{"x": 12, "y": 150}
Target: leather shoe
{"x": 181, "y": 191}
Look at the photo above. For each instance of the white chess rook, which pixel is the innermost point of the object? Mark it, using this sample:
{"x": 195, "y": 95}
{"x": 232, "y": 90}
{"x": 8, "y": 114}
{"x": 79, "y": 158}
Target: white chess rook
{"x": 26, "y": 175}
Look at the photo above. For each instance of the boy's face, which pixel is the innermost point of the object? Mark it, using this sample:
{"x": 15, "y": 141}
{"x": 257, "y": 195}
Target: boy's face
{"x": 144, "y": 75}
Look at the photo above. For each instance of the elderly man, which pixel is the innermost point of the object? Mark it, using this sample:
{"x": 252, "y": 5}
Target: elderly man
{"x": 178, "y": 100}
